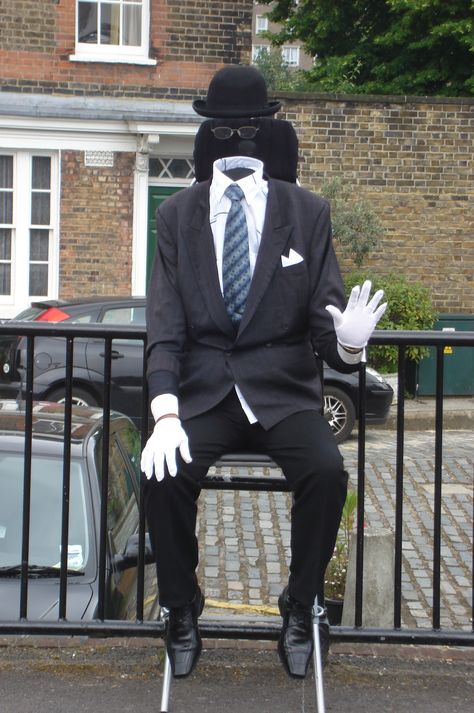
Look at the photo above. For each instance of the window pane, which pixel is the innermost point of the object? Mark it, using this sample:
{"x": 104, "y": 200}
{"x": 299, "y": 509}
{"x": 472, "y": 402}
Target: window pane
{"x": 132, "y": 25}
{"x": 6, "y": 207}
{"x": 179, "y": 168}
{"x": 38, "y": 280}
{"x": 87, "y": 22}
{"x": 109, "y": 24}
{"x": 41, "y": 172}
{"x": 39, "y": 245}
{"x": 5, "y": 244}
{"x": 5, "y": 279}
{"x": 118, "y": 315}
{"x": 6, "y": 171}
{"x": 40, "y": 212}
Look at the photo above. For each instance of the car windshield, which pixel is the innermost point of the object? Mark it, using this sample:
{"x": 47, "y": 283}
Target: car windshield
{"x": 46, "y": 513}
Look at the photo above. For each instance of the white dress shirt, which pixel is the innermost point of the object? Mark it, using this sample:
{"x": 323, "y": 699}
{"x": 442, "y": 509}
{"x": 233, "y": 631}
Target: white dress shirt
{"x": 255, "y": 189}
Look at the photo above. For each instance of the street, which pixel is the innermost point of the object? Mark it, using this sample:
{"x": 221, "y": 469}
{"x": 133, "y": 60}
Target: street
{"x": 244, "y": 537}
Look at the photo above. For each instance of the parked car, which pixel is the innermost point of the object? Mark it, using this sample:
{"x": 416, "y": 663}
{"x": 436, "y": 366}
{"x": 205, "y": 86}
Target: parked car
{"x": 340, "y": 390}
{"x": 84, "y": 513}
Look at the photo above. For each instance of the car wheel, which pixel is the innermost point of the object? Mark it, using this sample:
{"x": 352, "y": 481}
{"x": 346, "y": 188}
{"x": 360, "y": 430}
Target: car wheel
{"x": 80, "y": 397}
{"x": 339, "y": 412}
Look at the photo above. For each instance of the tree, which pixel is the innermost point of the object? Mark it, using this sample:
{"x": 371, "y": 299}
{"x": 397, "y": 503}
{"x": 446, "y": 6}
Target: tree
{"x": 383, "y": 46}
{"x": 276, "y": 72}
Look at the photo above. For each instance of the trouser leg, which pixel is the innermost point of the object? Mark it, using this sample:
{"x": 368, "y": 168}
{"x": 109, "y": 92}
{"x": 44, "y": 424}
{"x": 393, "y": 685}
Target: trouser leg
{"x": 304, "y": 447}
{"x": 171, "y": 504}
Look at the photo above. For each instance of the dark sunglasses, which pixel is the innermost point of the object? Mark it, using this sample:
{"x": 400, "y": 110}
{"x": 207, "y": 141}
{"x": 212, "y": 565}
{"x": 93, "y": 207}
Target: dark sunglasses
{"x": 225, "y": 132}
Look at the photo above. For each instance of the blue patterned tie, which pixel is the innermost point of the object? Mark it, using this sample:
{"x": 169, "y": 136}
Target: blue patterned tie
{"x": 235, "y": 259}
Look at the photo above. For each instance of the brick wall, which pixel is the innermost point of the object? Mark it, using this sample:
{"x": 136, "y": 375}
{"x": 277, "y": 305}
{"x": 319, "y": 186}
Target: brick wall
{"x": 96, "y": 226}
{"x": 208, "y": 30}
{"x": 28, "y": 24}
{"x": 190, "y": 39}
{"x": 413, "y": 160}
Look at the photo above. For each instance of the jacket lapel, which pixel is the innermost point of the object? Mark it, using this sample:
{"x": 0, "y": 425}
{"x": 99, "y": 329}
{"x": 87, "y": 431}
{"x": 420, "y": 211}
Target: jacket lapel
{"x": 200, "y": 245}
{"x": 275, "y": 236}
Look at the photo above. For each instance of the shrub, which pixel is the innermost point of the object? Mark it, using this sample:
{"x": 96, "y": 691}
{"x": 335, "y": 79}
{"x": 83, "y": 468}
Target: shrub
{"x": 355, "y": 226}
{"x": 409, "y": 307}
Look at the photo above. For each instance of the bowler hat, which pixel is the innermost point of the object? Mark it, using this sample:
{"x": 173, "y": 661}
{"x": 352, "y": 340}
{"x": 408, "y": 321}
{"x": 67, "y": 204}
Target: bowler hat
{"x": 236, "y": 91}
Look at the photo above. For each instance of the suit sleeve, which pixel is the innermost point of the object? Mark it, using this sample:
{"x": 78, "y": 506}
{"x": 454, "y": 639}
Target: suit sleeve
{"x": 165, "y": 316}
{"x": 327, "y": 289}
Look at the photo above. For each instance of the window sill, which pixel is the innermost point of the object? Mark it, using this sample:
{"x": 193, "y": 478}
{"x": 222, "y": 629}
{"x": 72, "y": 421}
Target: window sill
{"x": 113, "y": 59}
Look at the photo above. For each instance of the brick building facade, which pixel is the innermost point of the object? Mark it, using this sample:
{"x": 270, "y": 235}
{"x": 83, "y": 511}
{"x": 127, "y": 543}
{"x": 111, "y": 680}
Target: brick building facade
{"x": 96, "y": 128}
{"x": 412, "y": 159}
{"x": 96, "y": 125}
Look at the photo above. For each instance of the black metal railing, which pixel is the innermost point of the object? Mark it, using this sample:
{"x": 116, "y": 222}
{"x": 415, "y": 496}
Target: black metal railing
{"x": 224, "y": 629}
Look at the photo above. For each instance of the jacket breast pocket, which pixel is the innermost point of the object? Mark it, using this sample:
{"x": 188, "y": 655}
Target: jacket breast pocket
{"x": 293, "y": 284}
{"x": 292, "y": 271}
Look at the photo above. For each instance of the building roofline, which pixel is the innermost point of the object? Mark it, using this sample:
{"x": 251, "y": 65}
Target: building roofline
{"x": 96, "y": 108}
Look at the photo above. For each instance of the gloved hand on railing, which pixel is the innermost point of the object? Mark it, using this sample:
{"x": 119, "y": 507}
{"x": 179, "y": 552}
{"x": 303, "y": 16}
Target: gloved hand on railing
{"x": 355, "y": 325}
{"x": 168, "y": 435}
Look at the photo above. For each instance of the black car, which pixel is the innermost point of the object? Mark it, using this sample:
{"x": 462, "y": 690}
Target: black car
{"x": 340, "y": 390}
{"x": 84, "y": 514}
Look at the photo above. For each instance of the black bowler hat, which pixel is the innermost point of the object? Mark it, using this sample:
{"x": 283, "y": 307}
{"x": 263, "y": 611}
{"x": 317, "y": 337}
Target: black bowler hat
{"x": 236, "y": 91}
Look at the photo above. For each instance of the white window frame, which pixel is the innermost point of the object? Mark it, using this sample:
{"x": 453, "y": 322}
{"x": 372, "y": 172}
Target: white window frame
{"x": 19, "y": 297}
{"x": 125, "y": 54}
{"x": 286, "y": 54}
{"x": 256, "y": 49}
{"x": 261, "y": 24}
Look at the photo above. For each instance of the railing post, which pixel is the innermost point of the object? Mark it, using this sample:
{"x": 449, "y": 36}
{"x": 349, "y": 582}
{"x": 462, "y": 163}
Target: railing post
{"x": 438, "y": 476}
{"x": 399, "y": 487}
{"x": 105, "y": 477}
{"x": 141, "y": 504}
{"x": 25, "y": 543}
{"x": 66, "y": 477}
{"x": 359, "y": 588}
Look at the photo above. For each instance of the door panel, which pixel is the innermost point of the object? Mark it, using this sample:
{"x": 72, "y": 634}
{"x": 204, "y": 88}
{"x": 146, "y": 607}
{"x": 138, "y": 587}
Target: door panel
{"x": 156, "y": 196}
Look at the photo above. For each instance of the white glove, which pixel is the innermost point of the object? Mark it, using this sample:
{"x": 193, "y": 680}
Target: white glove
{"x": 355, "y": 325}
{"x": 167, "y": 436}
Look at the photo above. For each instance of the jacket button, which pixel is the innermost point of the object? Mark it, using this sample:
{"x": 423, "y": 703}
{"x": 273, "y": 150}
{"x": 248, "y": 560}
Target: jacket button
{"x": 269, "y": 344}
{"x": 228, "y": 354}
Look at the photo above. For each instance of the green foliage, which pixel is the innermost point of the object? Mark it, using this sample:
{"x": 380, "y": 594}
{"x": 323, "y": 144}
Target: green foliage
{"x": 277, "y": 73}
{"x": 420, "y": 47}
{"x": 336, "y": 572}
{"x": 354, "y": 224}
{"x": 409, "y": 307}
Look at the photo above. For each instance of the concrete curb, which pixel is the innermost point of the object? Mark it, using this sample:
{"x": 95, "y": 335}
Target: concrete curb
{"x": 420, "y": 414}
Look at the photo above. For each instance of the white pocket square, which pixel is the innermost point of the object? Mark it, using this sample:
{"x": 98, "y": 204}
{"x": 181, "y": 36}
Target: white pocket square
{"x": 293, "y": 258}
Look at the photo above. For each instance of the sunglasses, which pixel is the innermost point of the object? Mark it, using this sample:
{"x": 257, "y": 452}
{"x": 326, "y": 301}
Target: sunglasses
{"x": 225, "y": 132}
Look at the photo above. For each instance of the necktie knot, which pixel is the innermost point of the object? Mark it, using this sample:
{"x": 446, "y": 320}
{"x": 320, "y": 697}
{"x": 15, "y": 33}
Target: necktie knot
{"x": 234, "y": 192}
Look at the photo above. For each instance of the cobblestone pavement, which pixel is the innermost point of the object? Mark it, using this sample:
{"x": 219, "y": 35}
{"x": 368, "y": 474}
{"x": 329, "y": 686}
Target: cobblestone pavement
{"x": 244, "y": 537}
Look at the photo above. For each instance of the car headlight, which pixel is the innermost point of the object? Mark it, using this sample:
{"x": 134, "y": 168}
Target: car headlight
{"x": 375, "y": 374}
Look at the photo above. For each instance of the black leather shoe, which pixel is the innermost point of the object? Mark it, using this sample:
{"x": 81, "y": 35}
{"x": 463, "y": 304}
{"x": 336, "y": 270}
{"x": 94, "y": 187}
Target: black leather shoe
{"x": 183, "y": 640}
{"x": 295, "y": 645}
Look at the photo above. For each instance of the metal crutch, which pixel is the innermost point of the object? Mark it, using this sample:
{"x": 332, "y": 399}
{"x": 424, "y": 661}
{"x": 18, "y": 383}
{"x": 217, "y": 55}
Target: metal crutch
{"x": 166, "y": 686}
{"x": 318, "y": 666}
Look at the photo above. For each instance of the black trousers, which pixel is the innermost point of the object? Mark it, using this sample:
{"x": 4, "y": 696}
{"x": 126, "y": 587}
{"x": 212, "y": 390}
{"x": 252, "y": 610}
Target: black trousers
{"x": 302, "y": 445}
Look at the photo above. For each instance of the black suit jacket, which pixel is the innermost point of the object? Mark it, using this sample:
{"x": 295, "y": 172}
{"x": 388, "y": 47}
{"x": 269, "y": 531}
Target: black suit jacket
{"x": 193, "y": 349}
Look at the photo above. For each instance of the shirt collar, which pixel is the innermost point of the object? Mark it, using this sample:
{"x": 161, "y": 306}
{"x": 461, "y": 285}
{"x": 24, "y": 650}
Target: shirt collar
{"x": 250, "y": 184}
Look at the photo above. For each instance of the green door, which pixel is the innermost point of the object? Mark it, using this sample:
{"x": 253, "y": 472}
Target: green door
{"x": 156, "y": 195}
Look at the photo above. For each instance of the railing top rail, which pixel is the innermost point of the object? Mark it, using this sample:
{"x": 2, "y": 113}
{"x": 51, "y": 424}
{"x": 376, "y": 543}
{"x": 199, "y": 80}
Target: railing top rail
{"x": 380, "y": 336}
{"x": 429, "y": 338}
{"x": 62, "y": 329}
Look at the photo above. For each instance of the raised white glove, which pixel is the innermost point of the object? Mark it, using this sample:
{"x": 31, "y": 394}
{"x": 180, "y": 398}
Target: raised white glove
{"x": 355, "y": 325}
{"x": 167, "y": 436}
